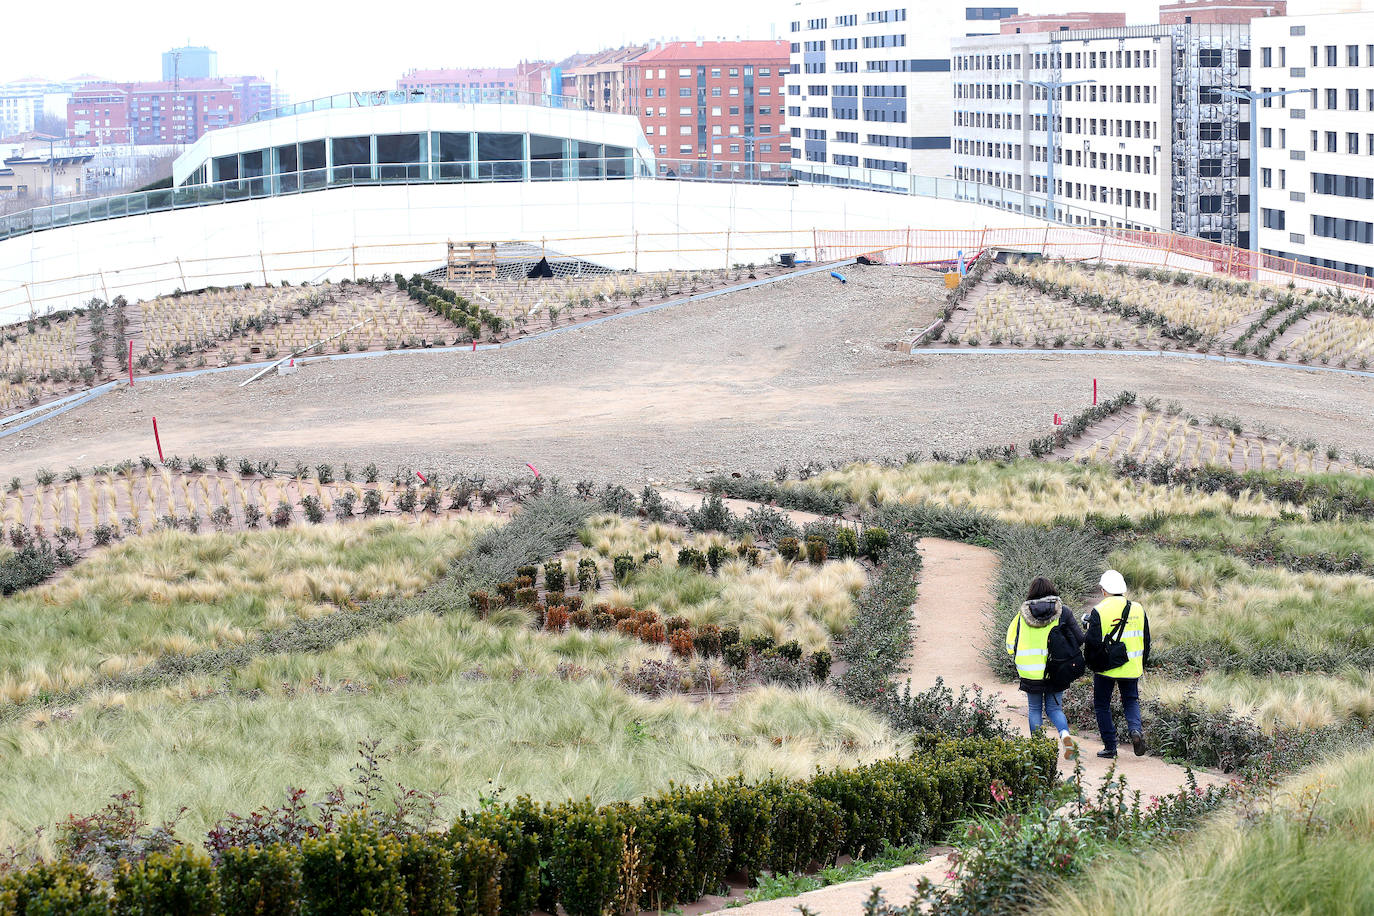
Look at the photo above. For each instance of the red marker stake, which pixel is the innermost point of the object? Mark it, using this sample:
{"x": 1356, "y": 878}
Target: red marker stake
{"x": 131, "y": 364}
{"x": 1094, "y": 392}
{"x": 533, "y": 469}
{"x": 423, "y": 478}
{"x": 157, "y": 439}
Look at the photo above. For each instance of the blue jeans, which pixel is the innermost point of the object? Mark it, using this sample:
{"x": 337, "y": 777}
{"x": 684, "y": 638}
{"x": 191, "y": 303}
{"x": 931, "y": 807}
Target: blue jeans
{"x": 1047, "y": 704}
{"x": 1102, "y": 705}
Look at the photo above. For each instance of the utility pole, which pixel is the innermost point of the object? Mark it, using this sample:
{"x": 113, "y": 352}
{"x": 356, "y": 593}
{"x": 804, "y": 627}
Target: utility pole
{"x": 1051, "y": 88}
{"x": 1252, "y": 97}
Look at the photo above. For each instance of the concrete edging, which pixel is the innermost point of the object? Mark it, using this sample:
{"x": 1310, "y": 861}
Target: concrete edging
{"x": 1175, "y": 354}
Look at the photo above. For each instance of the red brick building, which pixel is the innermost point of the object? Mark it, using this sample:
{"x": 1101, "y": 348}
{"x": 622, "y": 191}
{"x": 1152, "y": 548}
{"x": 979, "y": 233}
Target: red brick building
{"x": 156, "y": 113}
{"x": 1060, "y": 22}
{"x": 711, "y": 100}
{"x": 1220, "y": 12}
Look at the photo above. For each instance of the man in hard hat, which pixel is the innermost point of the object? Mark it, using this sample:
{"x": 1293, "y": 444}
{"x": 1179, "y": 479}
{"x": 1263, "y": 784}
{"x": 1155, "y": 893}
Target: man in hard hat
{"x": 1117, "y": 647}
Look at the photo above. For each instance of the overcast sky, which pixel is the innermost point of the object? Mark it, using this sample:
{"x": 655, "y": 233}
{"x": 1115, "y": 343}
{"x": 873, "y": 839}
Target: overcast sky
{"x": 317, "y": 48}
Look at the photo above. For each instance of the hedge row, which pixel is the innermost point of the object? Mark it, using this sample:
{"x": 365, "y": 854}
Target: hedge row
{"x": 665, "y": 850}
{"x": 1326, "y": 496}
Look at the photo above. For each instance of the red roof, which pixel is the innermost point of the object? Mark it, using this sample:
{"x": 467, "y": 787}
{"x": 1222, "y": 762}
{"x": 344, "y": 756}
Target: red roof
{"x": 745, "y": 51}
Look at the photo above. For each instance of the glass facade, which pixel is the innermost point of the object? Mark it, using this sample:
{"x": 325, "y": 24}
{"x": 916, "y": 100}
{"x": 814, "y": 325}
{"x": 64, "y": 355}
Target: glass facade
{"x": 419, "y": 157}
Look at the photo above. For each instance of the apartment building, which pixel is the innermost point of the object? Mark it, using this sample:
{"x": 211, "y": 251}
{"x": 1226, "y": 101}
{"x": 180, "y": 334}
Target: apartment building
{"x": 159, "y": 113}
{"x": 717, "y": 101}
{"x": 599, "y": 79}
{"x": 27, "y": 103}
{"x": 527, "y": 76}
{"x": 1145, "y": 132}
{"x": 870, "y": 88}
{"x": 1316, "y": 147}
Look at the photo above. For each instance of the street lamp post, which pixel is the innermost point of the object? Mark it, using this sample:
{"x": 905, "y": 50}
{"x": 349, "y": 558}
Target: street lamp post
{"x": 1252, "y": 97}
{"x": 1051, "y": 87}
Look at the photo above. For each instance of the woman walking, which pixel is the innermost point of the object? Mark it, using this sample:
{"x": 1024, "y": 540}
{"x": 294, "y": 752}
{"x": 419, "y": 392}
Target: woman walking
{"x": 1047, "y": 643}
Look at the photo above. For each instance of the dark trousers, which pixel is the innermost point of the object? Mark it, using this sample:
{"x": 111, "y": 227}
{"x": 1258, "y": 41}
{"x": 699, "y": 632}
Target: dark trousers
{"x": 1102, "y": 705}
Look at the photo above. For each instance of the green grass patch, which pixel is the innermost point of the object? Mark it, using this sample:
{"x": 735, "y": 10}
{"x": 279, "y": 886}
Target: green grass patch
{"x": 179, "y": 593}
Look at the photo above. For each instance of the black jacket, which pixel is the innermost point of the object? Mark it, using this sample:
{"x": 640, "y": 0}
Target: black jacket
{"x": 1064, "y": 639}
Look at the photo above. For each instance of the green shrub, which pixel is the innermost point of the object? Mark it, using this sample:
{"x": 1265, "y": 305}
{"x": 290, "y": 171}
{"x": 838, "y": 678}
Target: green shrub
{"x": 624, "y": 568}
{"x": 477, "y": 864}
{"x": 846, "y": 543}
{"x": 875, "y": 542}
{"x": 257, "y": 881}
{"x": 58, "y": 888}
{"x": 789, "y": 548}
{"x": 181, "y": 882}
{"x": 555, "y": 579}
{"x": 803, "y": 828}
{"x": 426, "y": 869}
{"x": 352, "y": 871}
{"x": 520, "y": 855}
{"x": 589, "y": 849}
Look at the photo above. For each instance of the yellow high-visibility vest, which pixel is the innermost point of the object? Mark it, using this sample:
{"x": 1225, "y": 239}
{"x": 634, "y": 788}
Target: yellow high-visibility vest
{"x": 1031, "y": 648}
{"x": 1109, "y": 613}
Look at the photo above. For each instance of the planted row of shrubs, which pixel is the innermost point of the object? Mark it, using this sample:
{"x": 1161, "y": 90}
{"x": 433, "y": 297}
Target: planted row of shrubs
{"x": 1076, "y": 425}
{"x": 590, "y": 860}
{"x": 1326, "y": 498}
{"x": 449, "y": 305}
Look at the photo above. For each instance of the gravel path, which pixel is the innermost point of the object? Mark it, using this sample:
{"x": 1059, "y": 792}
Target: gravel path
{"x": 782, "y": 374}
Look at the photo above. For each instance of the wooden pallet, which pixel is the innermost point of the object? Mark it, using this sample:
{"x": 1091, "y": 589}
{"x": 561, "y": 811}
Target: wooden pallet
{"x": 471, "y": 261}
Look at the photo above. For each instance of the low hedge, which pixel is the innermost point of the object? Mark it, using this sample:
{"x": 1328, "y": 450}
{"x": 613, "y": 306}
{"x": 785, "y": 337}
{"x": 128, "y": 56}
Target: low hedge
{"x": 665, "y": 850}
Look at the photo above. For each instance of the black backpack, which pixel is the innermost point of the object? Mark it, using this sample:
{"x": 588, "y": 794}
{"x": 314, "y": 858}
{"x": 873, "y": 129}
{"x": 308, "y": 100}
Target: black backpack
{"x": 1111, "y": 652}
{"x": 1066, "y": 663}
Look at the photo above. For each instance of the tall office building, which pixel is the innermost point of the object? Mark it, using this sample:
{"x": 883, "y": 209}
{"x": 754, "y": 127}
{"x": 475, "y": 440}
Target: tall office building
{"x": 1147, "y": 133}
{"x": 871, "y": 88}
{"x": 1316, "y": 146}
{"x": 189, "y": 63}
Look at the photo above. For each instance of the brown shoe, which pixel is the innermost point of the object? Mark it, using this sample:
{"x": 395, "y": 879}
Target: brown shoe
{"x": 1070, "y": 747}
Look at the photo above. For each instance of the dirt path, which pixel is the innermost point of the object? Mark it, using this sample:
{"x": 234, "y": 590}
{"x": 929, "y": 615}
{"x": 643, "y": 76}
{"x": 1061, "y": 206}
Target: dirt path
{"x": 956, "y": 593}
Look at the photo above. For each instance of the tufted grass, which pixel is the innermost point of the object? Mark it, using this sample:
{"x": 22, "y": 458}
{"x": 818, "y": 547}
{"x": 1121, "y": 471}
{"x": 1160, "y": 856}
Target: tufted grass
{"x": 174, "y": 592}
{"x": 1219, "y": 606}
{"x": 1297, "y": 856}
{"x": 1028, "y": 491}
{"x": 540, "y": 735}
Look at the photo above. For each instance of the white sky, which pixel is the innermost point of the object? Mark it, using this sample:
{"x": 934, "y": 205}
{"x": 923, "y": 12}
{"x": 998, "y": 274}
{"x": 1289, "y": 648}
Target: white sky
{"x": 318, "y": 48}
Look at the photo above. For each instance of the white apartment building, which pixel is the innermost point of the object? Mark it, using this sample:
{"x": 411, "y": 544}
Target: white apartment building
{"x": 869, "y": 87}
{"x": 1144, "y": 138}
{"x": 1316, "y": 148}
{"x": 23, "y": 103}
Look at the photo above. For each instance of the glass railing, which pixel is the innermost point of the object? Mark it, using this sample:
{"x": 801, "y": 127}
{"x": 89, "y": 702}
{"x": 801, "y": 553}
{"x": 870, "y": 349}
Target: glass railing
{"x": 412, "y": 96}
{"x": 254, "y": 187}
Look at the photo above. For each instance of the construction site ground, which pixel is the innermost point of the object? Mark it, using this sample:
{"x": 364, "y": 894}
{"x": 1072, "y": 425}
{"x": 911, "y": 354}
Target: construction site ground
{"x": 799, "y": 370}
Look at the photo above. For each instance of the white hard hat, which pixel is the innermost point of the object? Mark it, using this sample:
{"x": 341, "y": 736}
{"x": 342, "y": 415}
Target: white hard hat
{"x": 1112, "y": 583}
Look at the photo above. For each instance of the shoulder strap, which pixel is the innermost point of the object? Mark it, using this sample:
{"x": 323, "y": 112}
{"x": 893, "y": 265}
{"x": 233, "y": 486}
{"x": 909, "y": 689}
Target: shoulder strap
{"x": 1016, "y": 642}
{"x": 1120, "y": 627}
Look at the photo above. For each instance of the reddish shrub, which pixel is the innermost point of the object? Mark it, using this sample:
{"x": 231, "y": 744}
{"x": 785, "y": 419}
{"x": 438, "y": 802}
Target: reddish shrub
{"x": 581, "y": 619}
{"x": 652, "y": 633}
{"x": 677, "y": 622}
{"x": 682, "y": 642}
{"x": 628, "y": 627}
{"x": 556, "y": 620}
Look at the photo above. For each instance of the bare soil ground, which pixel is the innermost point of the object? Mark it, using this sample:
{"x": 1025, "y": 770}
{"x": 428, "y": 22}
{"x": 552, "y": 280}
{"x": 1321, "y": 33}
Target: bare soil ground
{"x": 779, "y": 374}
